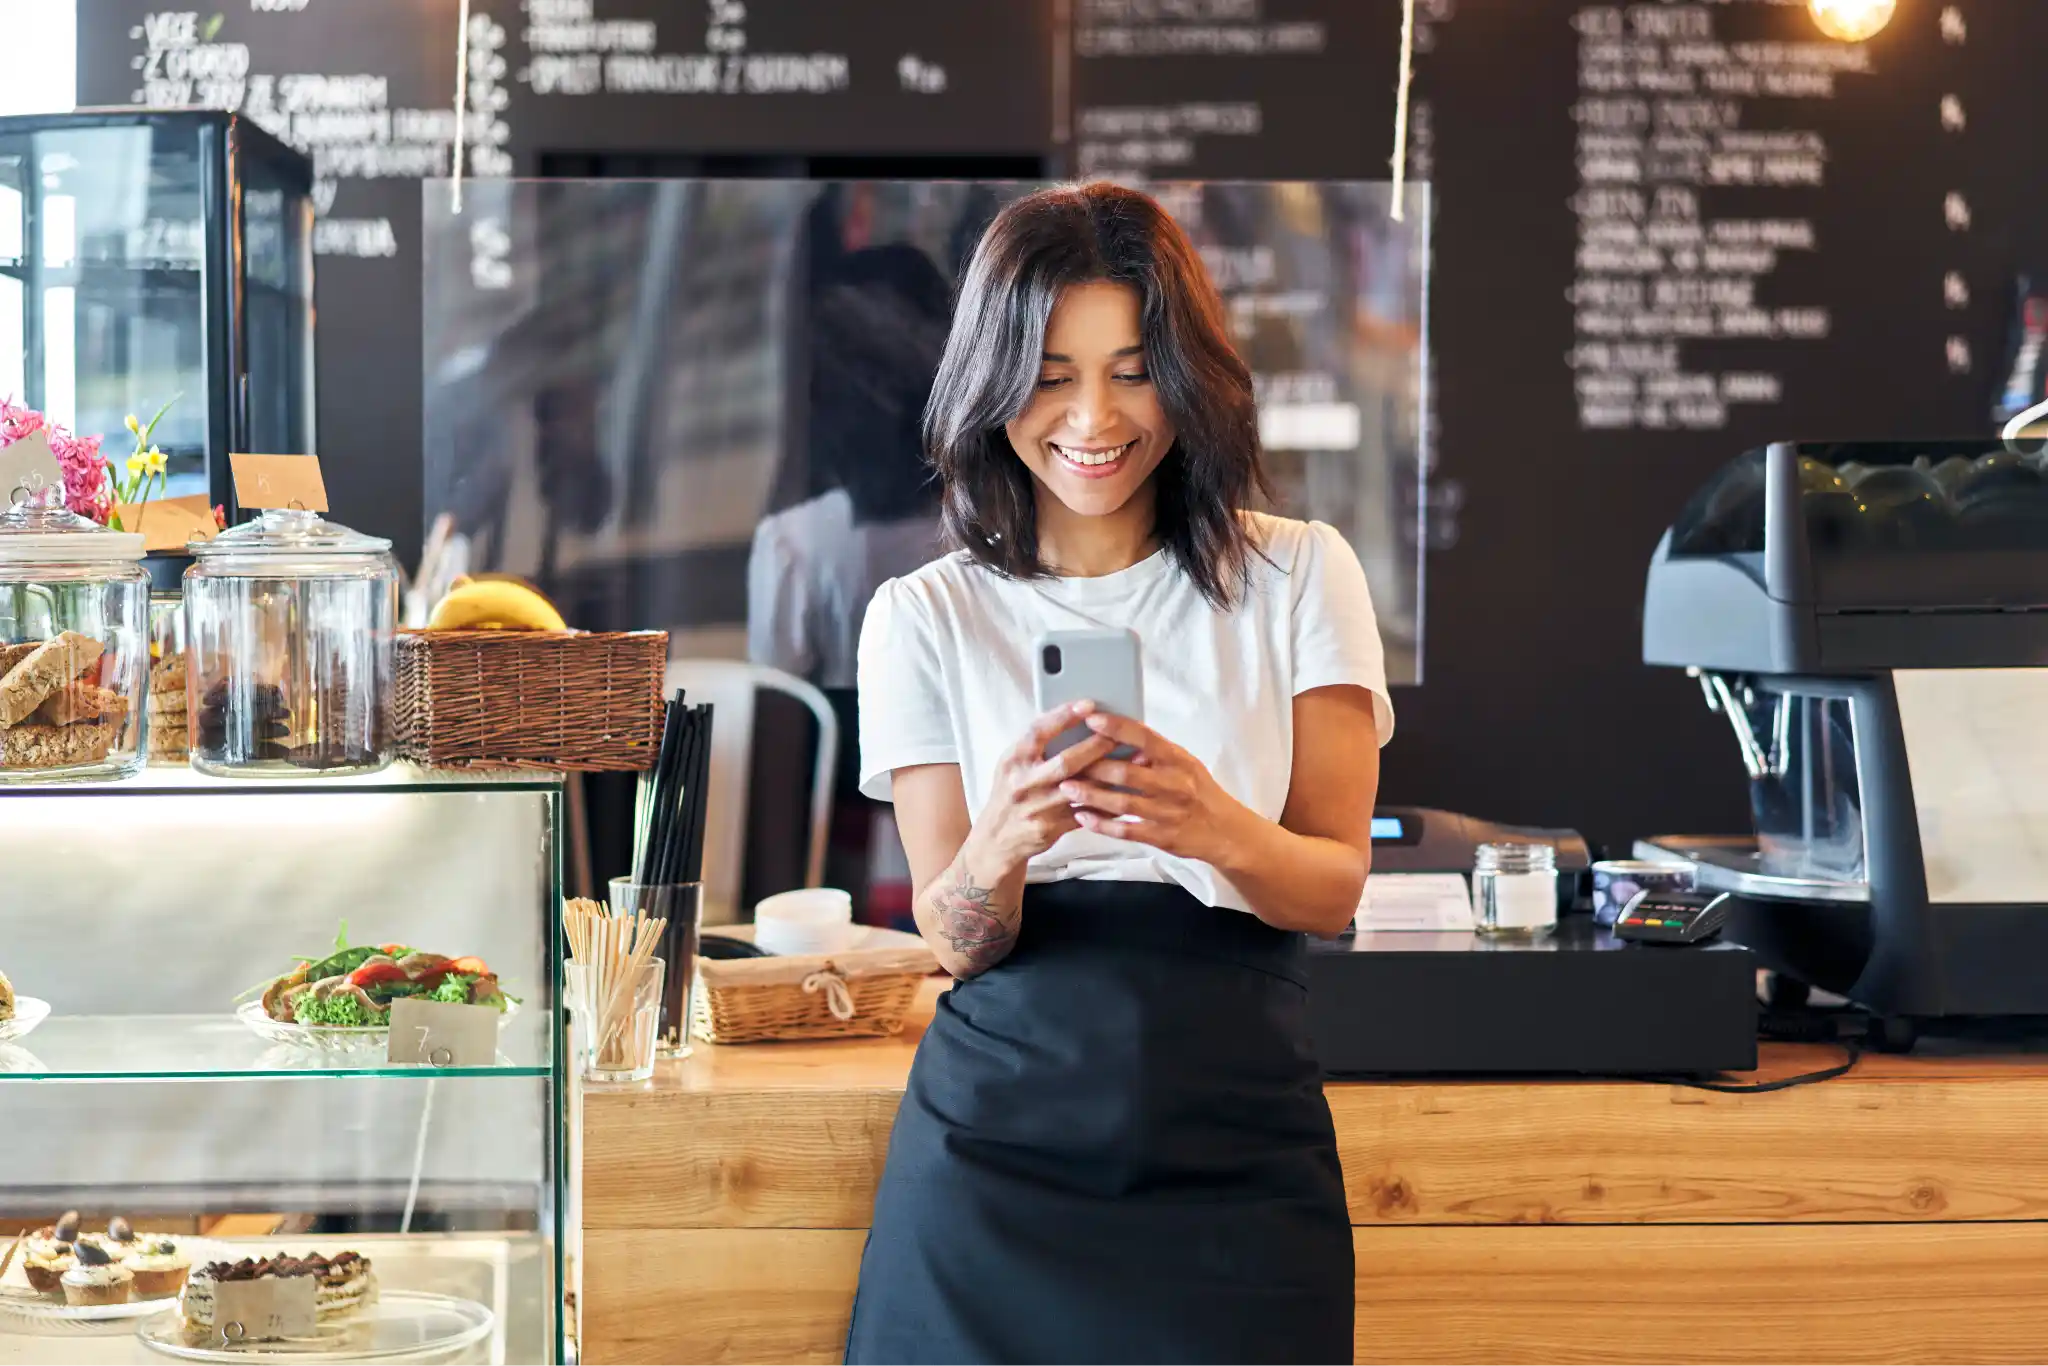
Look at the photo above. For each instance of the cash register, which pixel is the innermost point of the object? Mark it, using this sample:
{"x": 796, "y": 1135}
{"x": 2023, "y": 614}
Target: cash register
{"x": 1577, "y": 1000}
{"x": 1870, "y": 619}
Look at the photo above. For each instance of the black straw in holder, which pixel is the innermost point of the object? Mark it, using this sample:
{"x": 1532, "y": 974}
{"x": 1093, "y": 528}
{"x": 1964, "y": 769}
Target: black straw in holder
{"x": 657, "y": 789}
{"x": 699, "y": 798}
{"x": 674, "y": 800}
{"x": 669, "y": 849}
{"x": 670, "y": 869}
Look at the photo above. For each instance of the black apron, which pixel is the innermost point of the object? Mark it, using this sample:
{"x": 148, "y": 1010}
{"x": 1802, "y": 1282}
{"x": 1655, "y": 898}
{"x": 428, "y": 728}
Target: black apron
{"x": 1114, "y": 1148}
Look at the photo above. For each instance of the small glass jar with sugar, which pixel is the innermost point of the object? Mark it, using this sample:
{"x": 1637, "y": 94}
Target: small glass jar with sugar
{"x": 1514, "y": 889}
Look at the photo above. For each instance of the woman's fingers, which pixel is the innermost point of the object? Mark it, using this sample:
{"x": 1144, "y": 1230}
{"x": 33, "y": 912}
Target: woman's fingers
{"x": 1131, "y": 832}
{"x": 1107, "y": 800}
{"x": 1031, "y": 749}
{"x": 1074, "y": 759}
{"x": 1051, "y": 815}
{"x": 1119, "y": 772}
{"x": 1124, "y": 731}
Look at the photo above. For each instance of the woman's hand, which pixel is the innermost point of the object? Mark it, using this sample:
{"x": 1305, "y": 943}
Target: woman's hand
{"x": 1178, "y": 805}
{"x": 1027, "y": 811}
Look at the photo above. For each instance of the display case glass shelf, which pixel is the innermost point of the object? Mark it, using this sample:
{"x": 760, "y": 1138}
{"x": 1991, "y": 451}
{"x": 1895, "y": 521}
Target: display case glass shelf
{"x": 138, "y": 917}
{"x": 198, "y": 1047}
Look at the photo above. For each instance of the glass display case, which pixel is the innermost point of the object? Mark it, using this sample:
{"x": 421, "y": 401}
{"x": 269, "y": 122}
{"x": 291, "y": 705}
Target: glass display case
{"x": 178, "y": 1113}
{"x": 146, "y": 255}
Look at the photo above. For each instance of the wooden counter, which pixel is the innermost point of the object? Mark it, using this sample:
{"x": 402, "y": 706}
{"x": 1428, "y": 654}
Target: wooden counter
{"x": 1896, "y": 1214}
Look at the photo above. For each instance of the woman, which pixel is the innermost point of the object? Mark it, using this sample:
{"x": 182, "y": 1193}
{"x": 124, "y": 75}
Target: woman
{"x": 1114, "y": 1146}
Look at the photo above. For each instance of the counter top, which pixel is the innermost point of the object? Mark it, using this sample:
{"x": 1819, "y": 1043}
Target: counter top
{"x": 1898, "y": 1213}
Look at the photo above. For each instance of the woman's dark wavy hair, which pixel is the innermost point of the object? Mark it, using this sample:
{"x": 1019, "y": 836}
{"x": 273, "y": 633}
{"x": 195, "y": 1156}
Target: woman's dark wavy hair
{"x": 1035, "y": 248}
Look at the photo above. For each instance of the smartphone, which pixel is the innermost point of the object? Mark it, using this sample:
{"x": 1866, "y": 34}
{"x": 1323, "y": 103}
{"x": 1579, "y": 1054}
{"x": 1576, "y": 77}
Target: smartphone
{"x": 1101, "y": 666}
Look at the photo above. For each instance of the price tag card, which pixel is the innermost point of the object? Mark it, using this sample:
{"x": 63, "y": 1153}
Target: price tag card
{"x": 279, "y": 481}
{"x": 26, "y": 466}
{"x": 441, "y": 1034}
{"x": 169, "y": 523}
{"x": 266, "y": 1309}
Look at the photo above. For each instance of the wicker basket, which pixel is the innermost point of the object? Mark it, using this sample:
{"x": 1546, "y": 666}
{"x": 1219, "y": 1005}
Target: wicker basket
{"x": 861, "y": 993}
{"x": 573, "y": 701}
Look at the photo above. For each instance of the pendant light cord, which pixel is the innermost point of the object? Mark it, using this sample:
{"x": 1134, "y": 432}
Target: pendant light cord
{"x": 1400, "y": 162}
{"x": 462, "y": 93}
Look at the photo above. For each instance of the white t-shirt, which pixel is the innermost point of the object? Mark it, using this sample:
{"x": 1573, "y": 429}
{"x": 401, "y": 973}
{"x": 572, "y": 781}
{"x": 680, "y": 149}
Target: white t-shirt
{"x": 945, "y": 676}
{"x": 810, "y": 576}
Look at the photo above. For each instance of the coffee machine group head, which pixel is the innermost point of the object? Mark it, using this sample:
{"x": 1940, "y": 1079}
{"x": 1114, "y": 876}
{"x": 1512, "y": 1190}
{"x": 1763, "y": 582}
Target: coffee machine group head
{"x": 1871, "y": 618}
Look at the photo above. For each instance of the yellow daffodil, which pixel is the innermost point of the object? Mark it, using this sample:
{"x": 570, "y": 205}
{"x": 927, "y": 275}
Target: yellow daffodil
{"x": 137, "y": 463}
{"x": 133, "y": 425}
{"x": 154, "y": 462}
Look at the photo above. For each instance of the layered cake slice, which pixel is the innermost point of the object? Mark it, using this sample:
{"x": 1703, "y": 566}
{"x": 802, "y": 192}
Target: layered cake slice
{"x": 344, "y": 1286}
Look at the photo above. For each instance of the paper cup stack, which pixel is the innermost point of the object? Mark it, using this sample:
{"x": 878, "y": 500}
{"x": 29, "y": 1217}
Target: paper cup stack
{"x": 815, "y": 920}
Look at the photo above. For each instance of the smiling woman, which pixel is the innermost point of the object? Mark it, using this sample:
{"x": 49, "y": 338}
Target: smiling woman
{"x": 1090, "y": 342}
{"x": 1095, "y": 430}
{"x": 1114, "y": 1145}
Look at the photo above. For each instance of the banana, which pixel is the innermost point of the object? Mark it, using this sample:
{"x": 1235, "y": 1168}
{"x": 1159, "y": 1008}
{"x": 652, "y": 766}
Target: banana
{"x": 495, "y": 605}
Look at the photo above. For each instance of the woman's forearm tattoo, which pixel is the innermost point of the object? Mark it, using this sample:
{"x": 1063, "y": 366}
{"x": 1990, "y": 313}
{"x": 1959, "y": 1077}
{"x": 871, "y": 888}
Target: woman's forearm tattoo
{"x": 980, "y": 931}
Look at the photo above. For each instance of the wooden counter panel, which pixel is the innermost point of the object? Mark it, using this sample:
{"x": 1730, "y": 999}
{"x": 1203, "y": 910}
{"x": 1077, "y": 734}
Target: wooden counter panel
{"x": 1860, "y": 1148}
{"x": 1837, "y": 1293}
{"x": 1734, "y": 1293}
{"x": 750, "y": 1159}
{"x": 719, "y": 1295}
{"x": 758, "y": 1138}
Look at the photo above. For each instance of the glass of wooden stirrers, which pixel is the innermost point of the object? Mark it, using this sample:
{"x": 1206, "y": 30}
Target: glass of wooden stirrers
{"x": 614, "y": 990}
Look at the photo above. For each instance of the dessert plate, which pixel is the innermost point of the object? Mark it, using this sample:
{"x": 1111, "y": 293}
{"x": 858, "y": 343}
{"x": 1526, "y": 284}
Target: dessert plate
{"x": 402, "y": 1325}
{"x": 24, "y": 1310}
{"x": 328, "y": 1038}
{"x": 28, "y": 1013}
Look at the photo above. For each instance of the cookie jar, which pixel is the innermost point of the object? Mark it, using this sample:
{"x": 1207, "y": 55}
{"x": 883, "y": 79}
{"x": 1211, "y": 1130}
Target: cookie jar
{"x": 288, "y": 631}
{"x": 74, "y": 645}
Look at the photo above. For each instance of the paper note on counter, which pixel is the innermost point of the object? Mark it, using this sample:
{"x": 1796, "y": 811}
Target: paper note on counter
{"x": 1415, "y": 901}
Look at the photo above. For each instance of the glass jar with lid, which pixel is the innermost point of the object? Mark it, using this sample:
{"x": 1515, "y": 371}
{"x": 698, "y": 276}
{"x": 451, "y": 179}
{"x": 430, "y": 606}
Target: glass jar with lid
{"x": 74, "y": 644}
{"x": 1514, "y": 889}
{"x": 288, "y": 630}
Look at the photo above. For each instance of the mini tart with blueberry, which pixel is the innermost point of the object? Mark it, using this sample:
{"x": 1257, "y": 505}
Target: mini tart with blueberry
{"x": 159, "y": 1266}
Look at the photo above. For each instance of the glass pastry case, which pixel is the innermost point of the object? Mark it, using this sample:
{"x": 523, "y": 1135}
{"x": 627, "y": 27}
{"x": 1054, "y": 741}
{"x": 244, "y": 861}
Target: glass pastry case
{"x": 147, "y": 255}
{"x": 280, "y": 1069}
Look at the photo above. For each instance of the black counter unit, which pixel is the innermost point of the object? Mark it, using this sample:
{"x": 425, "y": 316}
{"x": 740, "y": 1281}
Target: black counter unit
{"x": 1574, "y": 1001}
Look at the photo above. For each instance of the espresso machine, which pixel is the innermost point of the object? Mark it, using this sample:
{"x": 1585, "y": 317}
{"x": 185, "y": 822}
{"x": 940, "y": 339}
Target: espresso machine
{"x": 1871, "y": 619}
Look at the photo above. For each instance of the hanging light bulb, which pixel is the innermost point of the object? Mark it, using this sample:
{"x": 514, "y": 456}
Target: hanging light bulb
{"x": 1851, "y": 21}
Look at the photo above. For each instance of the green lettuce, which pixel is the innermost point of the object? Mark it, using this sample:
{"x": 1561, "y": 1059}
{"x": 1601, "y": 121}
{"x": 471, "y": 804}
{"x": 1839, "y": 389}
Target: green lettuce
{"x": 454, "y": 987}
{"x": 341, "y": 1010}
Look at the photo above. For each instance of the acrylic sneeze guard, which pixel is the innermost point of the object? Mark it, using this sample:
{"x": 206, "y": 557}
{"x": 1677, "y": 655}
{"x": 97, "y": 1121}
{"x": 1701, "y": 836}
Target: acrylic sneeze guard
{"x": 692, "y": 405}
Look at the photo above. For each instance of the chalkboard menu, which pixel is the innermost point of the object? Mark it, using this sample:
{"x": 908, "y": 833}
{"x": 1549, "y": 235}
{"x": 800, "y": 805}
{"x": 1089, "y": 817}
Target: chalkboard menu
{"x": 1749, "y": 195}
{"x": 1663, "y": 232}
{"x": 776, "y": 75}
{"x": 1233, "y": 89}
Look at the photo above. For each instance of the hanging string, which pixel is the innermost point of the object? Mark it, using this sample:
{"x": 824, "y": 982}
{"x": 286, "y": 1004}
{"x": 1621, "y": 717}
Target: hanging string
{"x": 461, "y": 94}
{"x": 1401, "y": 109}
